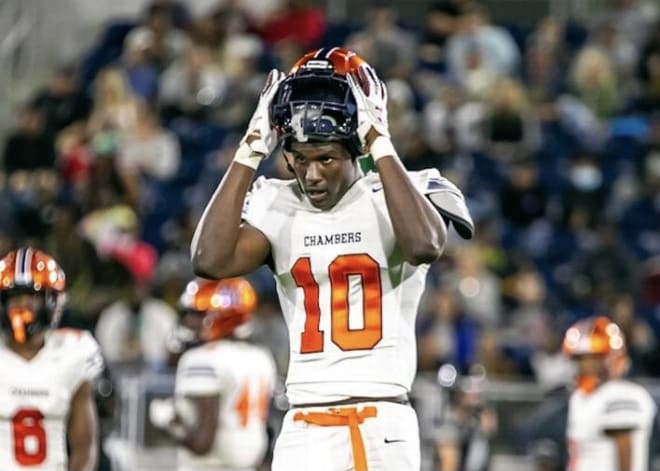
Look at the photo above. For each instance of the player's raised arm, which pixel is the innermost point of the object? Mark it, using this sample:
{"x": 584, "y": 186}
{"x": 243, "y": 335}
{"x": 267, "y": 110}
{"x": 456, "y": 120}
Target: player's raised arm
{"x": 82, "y": 430}
{"x": 223, "y": 247}
{"x": 420, "y": 231}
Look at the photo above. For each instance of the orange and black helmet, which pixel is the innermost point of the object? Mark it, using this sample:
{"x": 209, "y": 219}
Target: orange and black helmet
{"x": 225, "y": 305}
{"x": 30, "y": 271}
{"x": 597, "y": 336}
{"x": 315, "y": 102}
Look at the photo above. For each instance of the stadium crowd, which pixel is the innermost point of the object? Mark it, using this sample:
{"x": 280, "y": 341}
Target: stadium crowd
{"x": 552, "y": 131}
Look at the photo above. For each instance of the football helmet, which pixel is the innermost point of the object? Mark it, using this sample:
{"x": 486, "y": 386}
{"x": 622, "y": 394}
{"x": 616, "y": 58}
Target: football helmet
{"x": 224, "y": 308}
{"x": 597, "y": 336}
{"x": 315, "y": 102}
{"x": 30, "y": 271}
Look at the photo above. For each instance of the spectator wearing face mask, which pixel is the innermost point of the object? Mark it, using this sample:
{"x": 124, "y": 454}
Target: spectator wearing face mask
{"x": 584, "y": 199}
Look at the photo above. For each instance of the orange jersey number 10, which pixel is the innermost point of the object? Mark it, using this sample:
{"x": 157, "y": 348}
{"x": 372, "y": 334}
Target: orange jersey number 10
{"x": 342, "y": 267}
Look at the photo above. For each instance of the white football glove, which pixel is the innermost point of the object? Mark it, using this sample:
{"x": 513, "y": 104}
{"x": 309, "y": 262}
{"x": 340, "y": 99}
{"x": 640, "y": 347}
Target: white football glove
{"x": 162, "y": 413}
{"x": 371, "y": 97}
{"x": 259, "y": 126}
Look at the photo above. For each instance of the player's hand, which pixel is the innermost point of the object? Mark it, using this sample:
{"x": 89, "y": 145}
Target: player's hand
{"x": 260, "y": 136}
{"x": 371, "y": 97}
{"x": 162, "y": 413}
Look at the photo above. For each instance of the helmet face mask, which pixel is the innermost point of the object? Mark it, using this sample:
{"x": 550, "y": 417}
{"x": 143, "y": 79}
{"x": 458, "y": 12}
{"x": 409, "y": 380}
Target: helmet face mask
{"x": 315, "y": 103}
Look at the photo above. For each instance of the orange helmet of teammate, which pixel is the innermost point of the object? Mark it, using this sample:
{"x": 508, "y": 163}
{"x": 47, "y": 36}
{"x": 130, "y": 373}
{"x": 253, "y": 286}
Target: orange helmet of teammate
{"x": 28, "y": 271}
{"x": 602, "y": 339}
{"x": 315, "y": 101}
{"x": 226, "y": 305}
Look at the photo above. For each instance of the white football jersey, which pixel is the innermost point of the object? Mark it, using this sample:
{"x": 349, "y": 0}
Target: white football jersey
{"x": 613, "y": 406}
{"x": 35, "y": 397}
{"x": 348, "y": 297}
{"x": 244, "y": 376}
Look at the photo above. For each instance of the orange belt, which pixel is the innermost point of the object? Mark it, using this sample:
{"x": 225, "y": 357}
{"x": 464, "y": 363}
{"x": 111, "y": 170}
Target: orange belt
{"x": 344, "y": 416}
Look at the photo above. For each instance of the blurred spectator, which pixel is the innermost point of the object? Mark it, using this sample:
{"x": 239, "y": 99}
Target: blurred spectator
{"x": 603, "y": 268}
{"x": 28, "y": 148}
{"x": 390, "y": 49}
{"x": 158, "y": 32}
{"x": 544, "y": 61}
{"x": 465, "y": 427}
{"x": 633, "y": 19}
{"x": 476, "y": 288}
{"x": 439, "y": 25}
{"x": 552, "y": 369}
{"x": 523, "y": 200}
{"x": 403, "y": 119}
{"x": 453, "y": 123}
{"x": 32, "y": 183}
{"x": 512, "y": 128}
{"x": 147, "y": 151}
{"x": 595, "y": 83}
{"x": 584, "y": 199}
{"x": 138, "y": 65}
{"x": 480, "y": 52}
{"x": 171, "y": 276}
{"x": 102, "y": 186}
{"x": 240, "y": 58}
{"x": 640, "y": 222}
{"x": 74, "y": 155}
{"x": 447, "y": 334}
{"x": 192, "y": 84}
{"x": 62, "y": 102}
{"x": 295, "y": 22}
{"x": 641, "y": 341}
{"x": 651, "y": 282}
{"x": 132, "y": 331}
{"x": 622, "y": 51}
{"x": 115, "y": 105}
{"x": 648, "y": 70}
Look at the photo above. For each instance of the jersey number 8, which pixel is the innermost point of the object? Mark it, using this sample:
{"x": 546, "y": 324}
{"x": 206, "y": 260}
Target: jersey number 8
{"x": 339, "y": 271}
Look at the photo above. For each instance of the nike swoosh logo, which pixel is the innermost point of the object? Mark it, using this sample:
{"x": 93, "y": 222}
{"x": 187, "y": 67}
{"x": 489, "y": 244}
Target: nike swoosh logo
{"x": 393, "y": 441}
{"x": 376, "y": 189}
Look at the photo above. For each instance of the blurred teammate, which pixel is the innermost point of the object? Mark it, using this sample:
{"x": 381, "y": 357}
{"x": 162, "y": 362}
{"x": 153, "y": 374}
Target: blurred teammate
{"x": 350, "y": 255}
{"x": 223, "y": 385}
{"x": 610, "y": 419}
{"x": 46, "y": 392}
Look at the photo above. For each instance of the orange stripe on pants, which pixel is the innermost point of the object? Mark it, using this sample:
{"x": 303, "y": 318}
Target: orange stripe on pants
{"x": 344, "y": 416}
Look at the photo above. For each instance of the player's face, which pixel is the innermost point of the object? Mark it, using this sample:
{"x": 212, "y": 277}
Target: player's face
{"x": 22, "y": 310}
{"x": 193, "y": 320}
{"x": 325, "y": 170}
{"x": 591, "y": 365}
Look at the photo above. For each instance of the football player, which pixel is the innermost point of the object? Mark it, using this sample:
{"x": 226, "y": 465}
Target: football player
{"x": 349, "y": 251}
{"x": 223, "y": 385}
{"x": 46, "y": 374}
{"x": 610, "y": 419}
